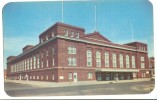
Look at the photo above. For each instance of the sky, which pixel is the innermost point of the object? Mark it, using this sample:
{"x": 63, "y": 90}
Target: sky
{"x": 23, "y": 22}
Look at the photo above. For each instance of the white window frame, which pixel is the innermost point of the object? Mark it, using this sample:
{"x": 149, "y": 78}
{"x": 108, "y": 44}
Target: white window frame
{"x": 127, "y": 61}
{"x": 77, "y": 35}
{"x": 70, "y": 75}
{"x": 34, "y": 62}
{"x": 142, "y": 58}
{"x": 90, "y": 75}
{"x": 71, "y": 61}
{"x": 121, "y": 62}
{"x": 106, "y": 59}
{"x": 98, "y": 59}
{"x": 71, "y": 50}
{"x": 66, "y": 32}
{"x": 47, "y": 37}
{"x": 142, "y": 65}
{"x": 38, "y": 61}
{"x": 72, "y": 34}
{"x": 114, "y": 60}
{"x": 89, "y": 58}
{"x": 31, "y": 63}
{"x": 27, "y": 64}
{"x": 133, "y": 62}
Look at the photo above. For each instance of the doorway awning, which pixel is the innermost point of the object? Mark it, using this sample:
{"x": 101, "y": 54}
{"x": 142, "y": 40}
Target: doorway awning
{"x": 115, "y": 70}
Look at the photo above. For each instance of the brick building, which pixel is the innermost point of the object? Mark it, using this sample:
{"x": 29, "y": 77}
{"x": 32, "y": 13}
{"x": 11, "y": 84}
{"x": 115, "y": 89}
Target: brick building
{"x": 152, "y": 66}
{"x": 66, "y": 53}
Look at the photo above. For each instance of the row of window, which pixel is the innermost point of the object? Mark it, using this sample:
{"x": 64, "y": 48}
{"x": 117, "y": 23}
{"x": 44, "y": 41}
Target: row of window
{"x": 52, "y": 35}
{"x": 114, "y": 60}
{"x": 142, "y": 48}
{"x": 34, "y": 62}
{"x": 71, "y": 33}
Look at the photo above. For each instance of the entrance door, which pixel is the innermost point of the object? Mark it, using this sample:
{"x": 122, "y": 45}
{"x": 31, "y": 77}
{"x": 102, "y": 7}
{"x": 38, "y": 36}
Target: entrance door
{"x": 107, "y": 77}
{"x": 75, "y": 77}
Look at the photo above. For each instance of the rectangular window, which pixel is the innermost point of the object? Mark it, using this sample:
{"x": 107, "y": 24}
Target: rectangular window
{"x": 89, "y": 58}
{"x": 46, "y": 37}
{"x": 90, "y": 76}
{"x": 98, "y": 59}
{"x": 53, "y": 62}
{"x": 71, "y": 50}
{"x": 72, "y": 61}
{"x": 41, "y": 40}
{"x": 34, "y": 62}
{"x": 142, "y": 58}
{"x": 66, "y": 32}
{"x": 27, "y": 64}
{"x": 77, "y": 35}
{"x": 72, "y": 34}
{"x": 38, "y": 61}
{"x": 47, "y": 63}
{"x": 70, "y": 76}
{"x": 30, "y": 63}
{"x": 53, "y": 78}
{"x": 142, "y": 65}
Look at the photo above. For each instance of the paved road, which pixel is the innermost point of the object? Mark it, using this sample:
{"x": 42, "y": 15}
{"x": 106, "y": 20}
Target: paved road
{"x": 14, "y": 89}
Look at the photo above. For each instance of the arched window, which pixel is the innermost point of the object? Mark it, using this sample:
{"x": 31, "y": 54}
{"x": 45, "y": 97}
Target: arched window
{"x": 106, "y": 59}
{"x": 133, "y": 61}
{"x": 89, "y": 58}
{"x": 114, "y": 60}
{"x": 98, "y": 59}
{"x": 127, "y": 62}
{"x": 121, "y": 60}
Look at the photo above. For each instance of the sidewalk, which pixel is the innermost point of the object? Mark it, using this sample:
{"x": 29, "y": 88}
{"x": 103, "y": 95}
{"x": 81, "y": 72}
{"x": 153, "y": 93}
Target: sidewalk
{"x": 79, "y": 83}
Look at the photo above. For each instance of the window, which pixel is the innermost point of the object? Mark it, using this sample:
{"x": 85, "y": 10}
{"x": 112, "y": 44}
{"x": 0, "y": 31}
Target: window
{"x": 23, "y": 68}
{"x": 27, "y": 64}
{"x": 72, "y": 61}
{"x": 142, "y": 65}
{"x": 30, "y": 77}
{"x": 72, "y": 34}
{"x": 142, "y": 58}
{"x": 98, "y": 59}
{"x": 52, "y": 34}
{"x": 71, "y": 50}
{"x": 53, "y": 77}
{"x": 89, "y": 58}
{"x": 53, "y": 51}
{"x": 90, "y": 76}
{"x": 127, "y": 62}
{"x": 47, "y": 53}
{"x": 70, "y": 76}
{"x": 77, "y": 35}
{"x": 47, "y": 63}
{"x": 37, "y": 77}
{"x": 133, "y": 61}
{"x": 121, "y": 60}
{"x": 42, "y": 77}
{"x": 41, "y": 40}
{"x": 66, "y": 32}
{"x": 106, "y": 59}
{"x": 34, "y": 77}
{"x": 34, "y": 62}
{"x": 47, "y": 77}
{"x": 46, "y": 37}
{"x": 53, "y": 62}
{"x": 114, "y": 60}
{"x": 38, "y": 62}
{"x": 30, "y": 63}
{"x": 134, "y": 74}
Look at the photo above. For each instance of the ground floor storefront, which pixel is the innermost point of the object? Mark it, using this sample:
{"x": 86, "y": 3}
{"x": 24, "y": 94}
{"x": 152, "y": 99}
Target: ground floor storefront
{"x": 79, "y": 74}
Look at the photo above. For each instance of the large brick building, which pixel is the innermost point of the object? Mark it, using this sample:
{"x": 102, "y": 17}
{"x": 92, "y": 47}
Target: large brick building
{"x": 66, "y": 53}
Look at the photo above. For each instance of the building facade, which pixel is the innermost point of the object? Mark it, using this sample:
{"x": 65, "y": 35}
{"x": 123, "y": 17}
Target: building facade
{"x": 66, "y": 53}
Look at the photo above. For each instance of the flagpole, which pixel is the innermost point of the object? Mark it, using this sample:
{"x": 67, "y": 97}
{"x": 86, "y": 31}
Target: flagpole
{"x": 62, "y": 10}
{"x": 132, "y": 32}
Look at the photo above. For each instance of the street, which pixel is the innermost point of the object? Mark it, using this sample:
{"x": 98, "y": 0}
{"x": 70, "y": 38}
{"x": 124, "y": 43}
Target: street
{"x": 14, "y": 89}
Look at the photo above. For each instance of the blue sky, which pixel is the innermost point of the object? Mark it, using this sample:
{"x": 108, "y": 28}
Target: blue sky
{"x": 23, "y": 22}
